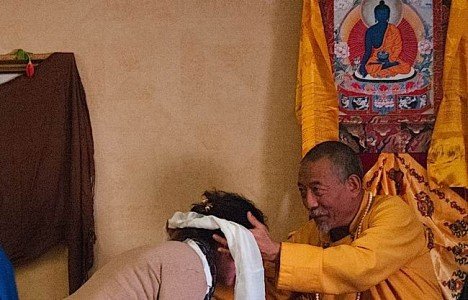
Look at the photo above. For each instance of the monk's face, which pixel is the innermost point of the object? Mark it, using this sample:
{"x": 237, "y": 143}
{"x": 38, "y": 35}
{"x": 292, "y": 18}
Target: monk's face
{"x": 330, "y": 202}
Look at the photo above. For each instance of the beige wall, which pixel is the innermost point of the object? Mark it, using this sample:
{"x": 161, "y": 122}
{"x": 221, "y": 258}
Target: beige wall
{"x": 184, "y": 95}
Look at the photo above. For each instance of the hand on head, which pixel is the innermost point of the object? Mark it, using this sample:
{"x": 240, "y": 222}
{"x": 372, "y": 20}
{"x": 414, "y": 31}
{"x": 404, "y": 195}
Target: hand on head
{"x": 268, "y": 247}
{"x": 223, "y": 242}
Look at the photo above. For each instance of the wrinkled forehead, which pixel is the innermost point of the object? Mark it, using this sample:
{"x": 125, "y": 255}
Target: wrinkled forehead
{"x": 320, "y": 170}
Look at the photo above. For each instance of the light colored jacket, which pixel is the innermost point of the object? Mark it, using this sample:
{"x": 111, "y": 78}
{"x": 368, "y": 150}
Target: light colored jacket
{"x": 170, "y": 271}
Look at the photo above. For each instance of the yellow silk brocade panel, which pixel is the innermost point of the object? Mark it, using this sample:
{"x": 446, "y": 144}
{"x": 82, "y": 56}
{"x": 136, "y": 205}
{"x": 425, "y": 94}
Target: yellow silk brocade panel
{"x": 442, "y": 211}
{"x": 447, "y": 157}
{"x": 316, "y": 97}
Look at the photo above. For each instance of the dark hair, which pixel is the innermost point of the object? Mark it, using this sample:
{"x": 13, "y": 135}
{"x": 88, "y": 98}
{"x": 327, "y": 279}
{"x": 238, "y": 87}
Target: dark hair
{"x": 224, "y": 205}
{"x": 343, "y": 158}
{"x": 228, "y": 206}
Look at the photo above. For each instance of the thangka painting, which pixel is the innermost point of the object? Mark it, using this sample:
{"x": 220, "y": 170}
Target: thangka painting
{"x": 383, "y": 60}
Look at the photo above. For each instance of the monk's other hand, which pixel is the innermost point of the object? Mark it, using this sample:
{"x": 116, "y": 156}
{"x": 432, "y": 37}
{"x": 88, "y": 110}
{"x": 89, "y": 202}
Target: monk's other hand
{"x": 268, "y": 247}
{"x": 223, "y": 243}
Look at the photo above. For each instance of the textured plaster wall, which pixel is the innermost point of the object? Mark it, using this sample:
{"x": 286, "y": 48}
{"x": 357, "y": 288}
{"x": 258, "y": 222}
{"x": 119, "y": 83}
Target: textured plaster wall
{"x": 184, "y": 95}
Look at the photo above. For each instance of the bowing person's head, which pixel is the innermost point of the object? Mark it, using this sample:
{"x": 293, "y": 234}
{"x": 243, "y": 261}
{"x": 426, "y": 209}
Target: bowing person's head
{"x": 224, "y": 205}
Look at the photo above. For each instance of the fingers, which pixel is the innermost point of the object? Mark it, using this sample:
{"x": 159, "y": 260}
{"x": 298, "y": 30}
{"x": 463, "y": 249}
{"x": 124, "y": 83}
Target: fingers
{"x": 220, "y": 240}
{"x": 223, "y": 250}
{"x": 223, "y": 242}
{"x": 255, "y": 223}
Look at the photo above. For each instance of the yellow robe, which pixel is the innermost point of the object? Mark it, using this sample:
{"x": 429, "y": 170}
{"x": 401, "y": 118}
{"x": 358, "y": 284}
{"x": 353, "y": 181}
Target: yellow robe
{"x": 223, "y": 292}
{"x": 447, "y": 160}
{"x": 389, "y": 260}
{"x": 316, "y": 97}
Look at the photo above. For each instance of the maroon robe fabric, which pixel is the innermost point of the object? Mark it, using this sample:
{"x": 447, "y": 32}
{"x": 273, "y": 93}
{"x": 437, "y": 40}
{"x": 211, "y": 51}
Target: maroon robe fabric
{"x": 47, "y": 166}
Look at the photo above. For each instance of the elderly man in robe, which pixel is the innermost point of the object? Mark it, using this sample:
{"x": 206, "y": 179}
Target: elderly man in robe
{"x": 355, "y": 246}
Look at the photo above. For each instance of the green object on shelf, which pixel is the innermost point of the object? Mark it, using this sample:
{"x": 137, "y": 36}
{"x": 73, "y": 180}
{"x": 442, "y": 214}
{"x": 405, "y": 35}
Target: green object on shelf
{"x": 22, "y": 55}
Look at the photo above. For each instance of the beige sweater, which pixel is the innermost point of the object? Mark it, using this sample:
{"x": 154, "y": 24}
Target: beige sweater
{"x": 168, "y": 271}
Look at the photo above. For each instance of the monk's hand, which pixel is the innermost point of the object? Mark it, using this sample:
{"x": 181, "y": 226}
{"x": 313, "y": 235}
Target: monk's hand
{"x": 223, "y": 248}
{"x": 268, "y": 247}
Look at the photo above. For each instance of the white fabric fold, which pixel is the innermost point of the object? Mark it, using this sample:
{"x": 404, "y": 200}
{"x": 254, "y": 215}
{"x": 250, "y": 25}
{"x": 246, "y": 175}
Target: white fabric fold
{"x": 244, "y": 250}
{"x": 206, "y": 266}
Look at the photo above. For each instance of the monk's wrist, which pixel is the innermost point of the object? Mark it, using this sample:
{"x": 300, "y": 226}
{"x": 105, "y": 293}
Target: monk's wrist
{"x": 275, "y": 252}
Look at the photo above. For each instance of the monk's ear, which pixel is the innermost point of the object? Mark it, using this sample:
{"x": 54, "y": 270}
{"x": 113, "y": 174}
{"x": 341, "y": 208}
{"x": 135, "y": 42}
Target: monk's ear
{"x": 354, "y": 184}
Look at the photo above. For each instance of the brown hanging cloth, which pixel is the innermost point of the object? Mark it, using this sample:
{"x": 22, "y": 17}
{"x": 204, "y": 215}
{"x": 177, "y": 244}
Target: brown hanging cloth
{"x": 47, "y": 166}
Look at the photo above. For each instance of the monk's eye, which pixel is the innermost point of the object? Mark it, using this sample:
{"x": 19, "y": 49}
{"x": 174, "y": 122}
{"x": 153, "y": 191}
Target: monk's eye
{"x": 303, "y": 191}
{"x": 317, "y": 192}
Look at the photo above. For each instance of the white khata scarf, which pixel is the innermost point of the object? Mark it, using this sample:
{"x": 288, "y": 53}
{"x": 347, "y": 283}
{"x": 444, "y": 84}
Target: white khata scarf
{"x": 244, "y": 250}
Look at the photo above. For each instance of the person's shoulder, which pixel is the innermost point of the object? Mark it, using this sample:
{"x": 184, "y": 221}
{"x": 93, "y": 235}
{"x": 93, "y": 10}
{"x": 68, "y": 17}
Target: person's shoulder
{"x": 393, "y": 198}
{"x": 389, "y": 201}
{"x": 169, "y": 253}
{"x": 153, "y": 251}
{"x": 398, "y": 218}
{"x": 166, "y": 247}
{"x": 394, "y": 205}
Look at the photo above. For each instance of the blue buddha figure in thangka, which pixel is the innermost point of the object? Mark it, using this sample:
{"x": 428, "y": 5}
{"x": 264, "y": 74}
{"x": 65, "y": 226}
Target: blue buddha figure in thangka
{"x": 383, "y": 46}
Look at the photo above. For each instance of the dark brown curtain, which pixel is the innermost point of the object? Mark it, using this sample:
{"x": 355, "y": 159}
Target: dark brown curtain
{"x": 47, "y": 166}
